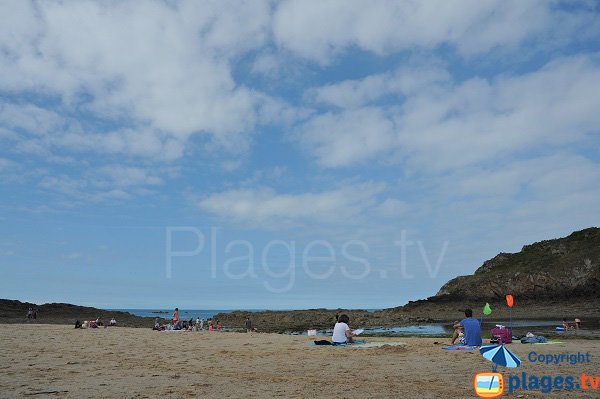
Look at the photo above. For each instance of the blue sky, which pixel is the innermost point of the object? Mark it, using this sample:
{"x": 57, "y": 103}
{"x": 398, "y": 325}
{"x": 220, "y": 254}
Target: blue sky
{"x": 288, "y": 154}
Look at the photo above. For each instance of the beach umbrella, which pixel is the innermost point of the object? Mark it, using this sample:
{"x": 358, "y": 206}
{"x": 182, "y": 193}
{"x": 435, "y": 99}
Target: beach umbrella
{"x": 500, "y": 356}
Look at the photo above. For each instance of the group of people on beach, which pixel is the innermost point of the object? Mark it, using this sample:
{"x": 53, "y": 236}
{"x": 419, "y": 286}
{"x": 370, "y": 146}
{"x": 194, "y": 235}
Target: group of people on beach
{"x": 32, "y": 314}
{"x": 95, "y": 323}
{"x": 466, "y": 332}
{"x": 186, "y": 325}
{"x": 576, "y": 325}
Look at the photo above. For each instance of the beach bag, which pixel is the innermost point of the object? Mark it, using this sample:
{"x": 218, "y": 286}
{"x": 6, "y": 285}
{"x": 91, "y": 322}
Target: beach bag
{"x": 503, "y": 335}
{"x": 323, "y": 342}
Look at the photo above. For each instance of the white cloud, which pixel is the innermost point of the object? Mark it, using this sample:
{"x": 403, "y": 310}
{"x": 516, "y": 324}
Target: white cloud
{"x": 445, "y": 125}
{"x": 392, "y": 208}
{"x": 319, "y": 30}
{"x": 406, "y": 81}
{"x": 129, "y": 176}
{"x": 71, "y": 256}
{"x": 545, "y": 177}
{"x": 160, "y": 68}
{"x": 265, "y": 208}
{"x": 106, "y": 183}
{"x": 340, "y": 139}
{"x": 29, "y": 118}
{"x": 5, "y": 164}
{"x": 479, "y": 120}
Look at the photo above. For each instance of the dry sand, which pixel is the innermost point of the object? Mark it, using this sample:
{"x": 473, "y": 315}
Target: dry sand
{"x": 59, "y": 361}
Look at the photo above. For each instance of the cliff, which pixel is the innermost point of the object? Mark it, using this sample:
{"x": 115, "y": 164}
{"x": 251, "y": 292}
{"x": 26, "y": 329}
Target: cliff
{"x": 559, "y": 268}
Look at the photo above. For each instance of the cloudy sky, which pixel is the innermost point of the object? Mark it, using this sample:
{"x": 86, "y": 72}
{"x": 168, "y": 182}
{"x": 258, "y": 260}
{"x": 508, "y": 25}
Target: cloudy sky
{"x": 288, "y": 154}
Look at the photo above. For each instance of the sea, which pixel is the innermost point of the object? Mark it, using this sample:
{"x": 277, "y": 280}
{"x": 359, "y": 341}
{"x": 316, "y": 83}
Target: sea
{"x": 184, "y": 314}
{"x": 191, "y": 313}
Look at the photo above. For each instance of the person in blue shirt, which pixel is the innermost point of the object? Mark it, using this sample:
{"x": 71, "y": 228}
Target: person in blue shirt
{"x": 471, "y": 328}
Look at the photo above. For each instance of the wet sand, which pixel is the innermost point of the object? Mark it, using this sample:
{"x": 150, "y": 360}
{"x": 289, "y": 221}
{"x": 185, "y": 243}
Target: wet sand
{"x": 59, "y": 361}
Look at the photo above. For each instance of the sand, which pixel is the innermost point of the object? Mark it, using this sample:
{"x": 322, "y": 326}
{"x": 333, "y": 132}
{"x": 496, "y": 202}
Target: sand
{"x": 59, "y": 361}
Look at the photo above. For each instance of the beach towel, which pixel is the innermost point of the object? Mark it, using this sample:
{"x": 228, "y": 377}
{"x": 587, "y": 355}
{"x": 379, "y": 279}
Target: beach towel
{"x": 358, "y": 342}
{"x": 459, "y": 348}
{"x": 549, "y": 343}
{"x": 381, "y": 344}
{"x": 534, "y": 339}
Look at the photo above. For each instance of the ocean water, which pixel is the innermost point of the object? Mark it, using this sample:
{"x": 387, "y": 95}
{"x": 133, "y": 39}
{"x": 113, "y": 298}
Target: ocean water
{"x": 416, "y": 330}
{"x": 184, "y": 314}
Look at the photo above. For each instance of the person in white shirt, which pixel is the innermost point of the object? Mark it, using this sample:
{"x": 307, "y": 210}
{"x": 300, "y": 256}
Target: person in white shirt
{"x": 341, "y": 332}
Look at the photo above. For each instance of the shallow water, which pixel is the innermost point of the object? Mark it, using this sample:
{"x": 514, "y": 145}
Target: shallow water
{"x": 520, "y": 327}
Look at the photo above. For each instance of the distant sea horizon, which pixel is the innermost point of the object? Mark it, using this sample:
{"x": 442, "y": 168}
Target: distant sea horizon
{"x": 197, "y": 313}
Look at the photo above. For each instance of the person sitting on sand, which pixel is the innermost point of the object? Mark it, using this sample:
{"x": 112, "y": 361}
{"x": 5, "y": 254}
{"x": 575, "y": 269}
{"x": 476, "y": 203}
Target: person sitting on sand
{"x": 566, "y": 325}
{"x": 211, "y": 327}
{"x": 113, "y": 322}
{"x": 219, "y": 326}
{"x": 341, "y": 331}
{"x": 577, "y": 323}
{"x": 176, "y": 316}
{"x": 471, "y": 328}
{"x": 78, "y": 324}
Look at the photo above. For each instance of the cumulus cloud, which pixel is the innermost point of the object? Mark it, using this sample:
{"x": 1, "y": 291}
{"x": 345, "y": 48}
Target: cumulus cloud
{"x": 392, "y": 208}
{"x": 264, "y": 207}
{"x": 446, "y": 124}
{"x": 160, "y": 68}
{"x": 341, "y": 139}
{"x": 405, "y": 81}
{"x": 110, "y": 182}
{"x": 322, "y": 29}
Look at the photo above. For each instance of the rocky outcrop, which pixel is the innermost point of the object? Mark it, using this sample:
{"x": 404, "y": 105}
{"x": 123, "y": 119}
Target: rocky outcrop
{"x": 564, "y": 267}
{"x": 12, "y": 311}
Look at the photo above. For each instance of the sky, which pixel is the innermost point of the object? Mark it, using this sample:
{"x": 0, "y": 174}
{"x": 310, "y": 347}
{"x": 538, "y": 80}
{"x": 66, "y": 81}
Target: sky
{"x": 288, "y": 154}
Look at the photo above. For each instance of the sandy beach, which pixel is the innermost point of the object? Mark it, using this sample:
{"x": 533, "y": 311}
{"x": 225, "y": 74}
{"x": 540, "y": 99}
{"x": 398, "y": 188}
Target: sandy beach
{"x": 59, "y": 361}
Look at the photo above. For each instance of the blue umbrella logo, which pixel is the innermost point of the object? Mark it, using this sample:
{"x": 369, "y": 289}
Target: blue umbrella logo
{"x": 500, "y": 356}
